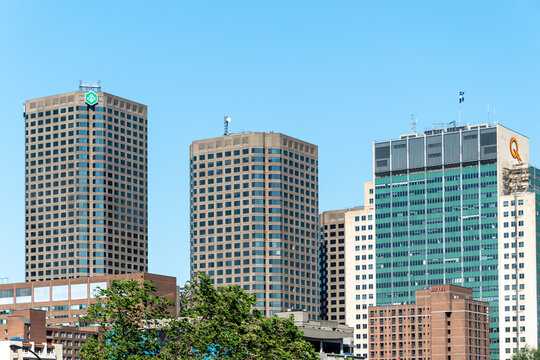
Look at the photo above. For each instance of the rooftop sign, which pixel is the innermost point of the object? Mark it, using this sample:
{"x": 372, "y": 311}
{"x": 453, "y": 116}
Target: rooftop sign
{"x": 91, "y": 98}
{"x": 437, "y": 289}
{"x": 514, "y": 149}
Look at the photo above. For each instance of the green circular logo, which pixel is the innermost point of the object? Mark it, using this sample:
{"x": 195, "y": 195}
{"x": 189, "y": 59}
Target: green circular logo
{"x": 91, "y": 98}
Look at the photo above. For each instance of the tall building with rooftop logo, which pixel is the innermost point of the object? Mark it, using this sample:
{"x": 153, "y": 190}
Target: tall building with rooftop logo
{"x": 86, "y": 185}
{"x": 459, "y": 206}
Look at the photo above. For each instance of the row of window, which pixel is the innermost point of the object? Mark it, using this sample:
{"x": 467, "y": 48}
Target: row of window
{"x": 61, "y": 273}
{"x": 109, "y": 143}
{"x": 254, "y": 151}
{"x": 283, "y": 178}
{"x": 85, "y": 108}
{"x": 55, "y": 134}
{"x": 211, "y": 164}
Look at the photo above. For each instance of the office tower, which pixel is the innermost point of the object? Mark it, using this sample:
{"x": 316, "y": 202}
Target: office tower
{"x": 519, "y": 258}
{"x": 347, "y": 267}
{"x": 444, "y": 323}
{"x": 360, "y": 269}
{"x": 254, "y": 208}
{"x": 332, "y": 265}
{"x": 458, "y": 206}
{"x": 86, "y": 185}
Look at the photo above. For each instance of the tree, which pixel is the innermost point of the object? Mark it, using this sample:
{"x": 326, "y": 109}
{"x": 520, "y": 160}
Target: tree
{"x": 120, "y": 311}
{"x": 277, "y": 338}
{"x": 213, "y": 324}
{"x": 223, "y": 325}
{"x": 527, "y": 353}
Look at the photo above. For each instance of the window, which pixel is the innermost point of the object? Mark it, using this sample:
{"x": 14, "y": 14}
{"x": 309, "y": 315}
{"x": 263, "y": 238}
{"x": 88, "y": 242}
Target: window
{"x": 23, "y": 295}
{"x": 6, "y": 297}
{"x": 60, "y": 292}
{"x": 60, "y": 308}
{"x": 79, "y": 291}
{"x": 41, "y": 294}
{"x": 95, "y": 286}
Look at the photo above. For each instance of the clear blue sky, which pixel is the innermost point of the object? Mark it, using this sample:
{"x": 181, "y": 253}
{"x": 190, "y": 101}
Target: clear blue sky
{"x": 339, "y": 74}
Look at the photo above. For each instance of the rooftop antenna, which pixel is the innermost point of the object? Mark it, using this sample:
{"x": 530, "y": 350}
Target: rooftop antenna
{"x": 413, "y": 123}
{"x": 461, "y": 99}
{"x": 89, "y": 86}
{"x": 226, "y": 122}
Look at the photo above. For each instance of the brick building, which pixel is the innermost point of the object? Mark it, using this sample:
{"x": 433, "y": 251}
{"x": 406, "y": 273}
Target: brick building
{"x": 42, "y": 314}
{"x": 29, "y": 328}
{"x": 444, "y": 324}
{"x": 66, "y": 301}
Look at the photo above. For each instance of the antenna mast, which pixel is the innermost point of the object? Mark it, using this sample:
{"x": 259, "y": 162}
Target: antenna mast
{"x": 226, "y": 122}
{"x": 413, "y": 123}
{"x": 461, "y": 99}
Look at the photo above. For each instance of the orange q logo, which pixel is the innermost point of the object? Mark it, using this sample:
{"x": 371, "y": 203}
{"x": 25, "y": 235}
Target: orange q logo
{"x": 514, "y": 149}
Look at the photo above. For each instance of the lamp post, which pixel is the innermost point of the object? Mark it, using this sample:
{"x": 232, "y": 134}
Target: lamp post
{"x": 17, "y": 347}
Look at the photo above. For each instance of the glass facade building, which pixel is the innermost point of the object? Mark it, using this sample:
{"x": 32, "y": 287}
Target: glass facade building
{"x": 438, "y": 199}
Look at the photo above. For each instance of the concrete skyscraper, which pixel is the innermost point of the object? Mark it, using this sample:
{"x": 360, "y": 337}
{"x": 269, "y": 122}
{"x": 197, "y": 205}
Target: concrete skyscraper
{"x": 86, "y": 185}
{"x": 254, "y": 210}
{"x": 459, "y": 206}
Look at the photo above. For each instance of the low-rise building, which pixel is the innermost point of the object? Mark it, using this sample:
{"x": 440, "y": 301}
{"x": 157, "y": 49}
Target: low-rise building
{"x": 50, "y": 312}
{"x": 30, "y": 326}
{"x": 66, "y": 301}
{"x": 445, "y": 323}
{"x": 327, "y": 337}
{"x": 20, "y": 350}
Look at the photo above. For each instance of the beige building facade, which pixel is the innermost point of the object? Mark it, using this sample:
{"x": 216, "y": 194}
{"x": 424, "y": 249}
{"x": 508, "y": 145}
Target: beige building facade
{"x": 518, "y": 262}
{"x": 254, "y": 208}
{"x": 347, "y": 263}
{"x": 86, "y": 186}
{"x": 360, "y": 269}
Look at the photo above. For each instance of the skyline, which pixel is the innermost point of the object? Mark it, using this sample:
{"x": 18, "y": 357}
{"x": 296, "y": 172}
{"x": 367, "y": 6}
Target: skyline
{"x": 320, "y": 73}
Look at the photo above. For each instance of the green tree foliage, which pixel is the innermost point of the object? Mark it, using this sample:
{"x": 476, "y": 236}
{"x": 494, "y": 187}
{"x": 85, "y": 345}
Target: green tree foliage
{"x": 213, "y": 324}
{"x": 527, "y": 353}
{"x": 223, "y": 325}
{"x": 120, "y": 311}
